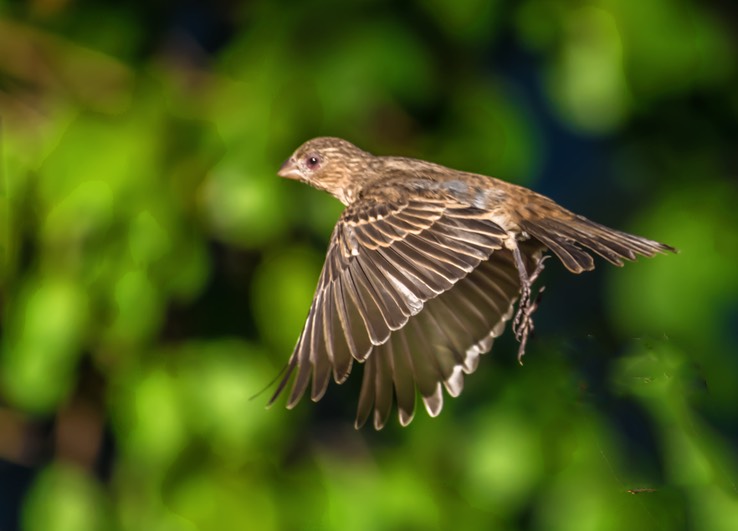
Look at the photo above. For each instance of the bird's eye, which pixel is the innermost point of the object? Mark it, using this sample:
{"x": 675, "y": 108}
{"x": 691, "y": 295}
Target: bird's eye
{"x": 312, "y": 161}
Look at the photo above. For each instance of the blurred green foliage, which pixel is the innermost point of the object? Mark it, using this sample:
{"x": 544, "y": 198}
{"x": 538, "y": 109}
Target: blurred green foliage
{"x": 154, "y": 273}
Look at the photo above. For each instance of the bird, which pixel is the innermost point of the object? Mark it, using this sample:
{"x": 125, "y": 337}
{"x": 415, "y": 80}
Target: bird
{"x": 423, "y": 271}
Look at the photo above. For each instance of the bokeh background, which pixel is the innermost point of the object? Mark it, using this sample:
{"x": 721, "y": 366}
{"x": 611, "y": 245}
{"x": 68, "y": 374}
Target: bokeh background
{"x": 155, "y": 273}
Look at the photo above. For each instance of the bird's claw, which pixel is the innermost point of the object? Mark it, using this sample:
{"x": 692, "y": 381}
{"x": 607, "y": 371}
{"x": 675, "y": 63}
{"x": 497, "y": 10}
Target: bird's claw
{"x": 523, "y": 323}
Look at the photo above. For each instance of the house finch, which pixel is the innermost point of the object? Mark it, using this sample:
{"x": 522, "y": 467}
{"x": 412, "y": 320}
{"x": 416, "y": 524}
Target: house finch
{"x": 422, "y": 273}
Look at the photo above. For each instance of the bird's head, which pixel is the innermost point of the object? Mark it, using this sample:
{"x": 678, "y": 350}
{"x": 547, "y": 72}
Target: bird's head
{"x": 329, "y": 164}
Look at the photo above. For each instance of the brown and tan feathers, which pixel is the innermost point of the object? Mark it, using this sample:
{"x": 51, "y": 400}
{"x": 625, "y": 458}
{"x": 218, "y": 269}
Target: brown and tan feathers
{"x": 385, "y": 261}
{"x": 440, "y": 344}
{"x": 422, "y": 272}
{"x": 567, "y": 234}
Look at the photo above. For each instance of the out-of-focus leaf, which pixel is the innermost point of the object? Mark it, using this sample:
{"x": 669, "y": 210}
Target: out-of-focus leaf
{"x": 63, "y": 67}
{"x": 65, "y": 499}
{"x": 467, "y": 21}
{"x": 219, "y": 382}
{"x": 87, "y": 212}
{"x": 672, "y": 47}
{"x": 242, "y": 201}
{"x": 504, "y": 463}
{"x": 150, "y": 419}
{"x": 715, "y": 509}
{"x": 490, "y": 135}
{"x": 283, "y": 286}
{"x": 222, "y": 499}
{"x": 148, "y": 240}
{"x": 44, "y": 343}
{"x": 697, "y": 221}
{"x": 137, "y": 310}
{"x": 588, "y": 80}
{"x": 368, "y": 498}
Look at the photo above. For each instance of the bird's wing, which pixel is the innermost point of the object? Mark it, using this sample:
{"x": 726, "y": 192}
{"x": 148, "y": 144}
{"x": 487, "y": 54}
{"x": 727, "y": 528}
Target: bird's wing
{"x": 441, "y": 343}
{"x": 385, "y": 261}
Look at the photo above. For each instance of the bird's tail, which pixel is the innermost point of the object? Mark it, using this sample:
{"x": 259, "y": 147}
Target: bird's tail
{"x": 566, "y": 238}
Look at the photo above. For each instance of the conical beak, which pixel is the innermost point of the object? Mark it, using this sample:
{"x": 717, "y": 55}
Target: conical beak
{"x": 289, "y": 170}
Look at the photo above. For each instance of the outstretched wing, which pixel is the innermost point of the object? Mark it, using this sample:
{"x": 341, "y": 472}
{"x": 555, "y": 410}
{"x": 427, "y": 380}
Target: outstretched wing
{"x": 385, "y": 261}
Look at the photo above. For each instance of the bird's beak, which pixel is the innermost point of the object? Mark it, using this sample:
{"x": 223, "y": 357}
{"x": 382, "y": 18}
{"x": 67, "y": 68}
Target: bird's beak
{"x": 289, "y": 170}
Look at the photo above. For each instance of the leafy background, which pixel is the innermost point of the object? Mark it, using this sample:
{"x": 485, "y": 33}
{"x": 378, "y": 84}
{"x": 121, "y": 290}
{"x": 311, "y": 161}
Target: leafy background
{"x": 154, "y": 272}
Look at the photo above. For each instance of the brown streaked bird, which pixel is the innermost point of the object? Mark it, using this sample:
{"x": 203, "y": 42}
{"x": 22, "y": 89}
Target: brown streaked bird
{"x": 423, "y": 271}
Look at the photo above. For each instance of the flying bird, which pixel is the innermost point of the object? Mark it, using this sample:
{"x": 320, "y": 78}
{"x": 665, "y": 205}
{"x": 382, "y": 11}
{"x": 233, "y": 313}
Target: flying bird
{"x": 422, "y": 273}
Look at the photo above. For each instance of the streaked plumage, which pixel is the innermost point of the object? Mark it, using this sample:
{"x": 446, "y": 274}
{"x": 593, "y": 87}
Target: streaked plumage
{"x": 422, "y": 273}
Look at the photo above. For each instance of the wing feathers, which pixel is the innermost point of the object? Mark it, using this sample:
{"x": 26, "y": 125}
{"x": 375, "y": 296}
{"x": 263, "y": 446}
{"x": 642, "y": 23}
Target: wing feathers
{"x": 441, "y": 343}
{"x": 337, "y": 346}
{"x": 351, "y": 321}
{"x": 565, "y": 236}
{"x": 319, "y": 358}
{"x": 384, "y": 299}
{"x": 403, "y": 378}
{"x": 303, "y": 368}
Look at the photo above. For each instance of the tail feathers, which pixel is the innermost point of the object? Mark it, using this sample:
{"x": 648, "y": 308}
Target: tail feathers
{"x": 565, "y": 238}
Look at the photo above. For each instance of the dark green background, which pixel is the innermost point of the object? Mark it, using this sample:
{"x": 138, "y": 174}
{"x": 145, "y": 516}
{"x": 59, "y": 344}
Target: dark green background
{"x": 155, "y": 273}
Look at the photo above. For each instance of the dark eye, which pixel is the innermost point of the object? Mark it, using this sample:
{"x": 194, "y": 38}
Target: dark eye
{"x": 313, "y": 161}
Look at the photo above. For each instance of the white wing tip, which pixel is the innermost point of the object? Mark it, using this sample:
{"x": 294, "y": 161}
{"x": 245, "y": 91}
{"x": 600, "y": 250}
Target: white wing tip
{"x": 434, "y": 403}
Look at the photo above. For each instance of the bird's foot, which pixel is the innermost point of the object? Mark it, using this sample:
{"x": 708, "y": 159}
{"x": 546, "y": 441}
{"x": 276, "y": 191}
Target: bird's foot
{"x": 523, "y": 323}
